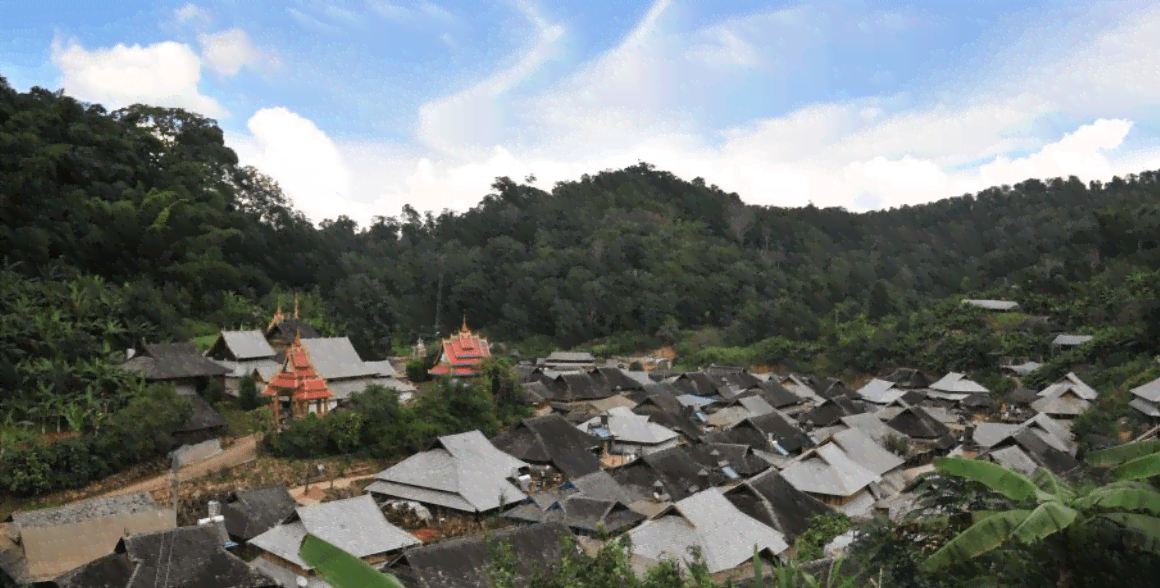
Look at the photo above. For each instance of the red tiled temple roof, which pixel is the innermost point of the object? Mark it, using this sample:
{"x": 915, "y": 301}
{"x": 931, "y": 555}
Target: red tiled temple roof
{"x": 298, "y": 377}
{"x": 461, "y": 353}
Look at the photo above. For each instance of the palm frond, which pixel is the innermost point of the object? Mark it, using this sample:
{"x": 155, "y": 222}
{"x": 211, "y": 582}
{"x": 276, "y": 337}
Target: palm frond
{"x": 980, "y": 538}
{"x": 1144, "y": 528}
{"x": 1013, "y": 485}
{"x": 1123, "y": 498}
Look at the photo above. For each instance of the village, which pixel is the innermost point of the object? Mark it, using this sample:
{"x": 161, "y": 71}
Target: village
{"x": 723, "y": 461}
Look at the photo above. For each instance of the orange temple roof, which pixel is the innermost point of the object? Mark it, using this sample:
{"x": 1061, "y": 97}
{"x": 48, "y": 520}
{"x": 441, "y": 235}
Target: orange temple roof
{"x": 461, "y": 353}
{"x": 298, "y": 377}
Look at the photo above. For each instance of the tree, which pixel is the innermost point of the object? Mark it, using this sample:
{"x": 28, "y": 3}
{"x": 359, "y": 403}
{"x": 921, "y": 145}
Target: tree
{"x": 248, "y": 396}
{"x": 1051, "y": 511}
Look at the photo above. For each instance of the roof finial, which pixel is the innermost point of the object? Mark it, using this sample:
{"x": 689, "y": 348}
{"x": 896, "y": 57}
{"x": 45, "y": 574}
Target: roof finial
{"x": 295, "y": 306}
{"x": 278, "y": 317}
{"x": 465, "y": 330}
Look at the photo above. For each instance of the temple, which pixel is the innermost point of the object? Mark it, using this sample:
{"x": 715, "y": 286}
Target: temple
{"x": 282, "y": 330}
{"x": 462, "y": 354}
{"x": 298, "y": 385}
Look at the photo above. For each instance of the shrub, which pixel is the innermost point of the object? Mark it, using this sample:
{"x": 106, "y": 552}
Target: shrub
{"x": 248, "y": 397}
{"x": 822, "y": 529}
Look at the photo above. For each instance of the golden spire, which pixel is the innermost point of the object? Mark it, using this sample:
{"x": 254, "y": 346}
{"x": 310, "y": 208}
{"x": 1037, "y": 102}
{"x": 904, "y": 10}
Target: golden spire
{"x": 465, "y": 329}
{"x": 295, "y": 306}
{"x": 277, "y": 317}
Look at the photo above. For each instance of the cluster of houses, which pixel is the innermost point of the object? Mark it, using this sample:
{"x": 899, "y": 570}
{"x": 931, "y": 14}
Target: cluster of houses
{"x": 720, "y": 461}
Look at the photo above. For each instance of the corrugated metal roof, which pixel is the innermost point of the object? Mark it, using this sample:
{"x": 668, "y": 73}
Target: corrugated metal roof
{"x": 756, "y": 405}
{"x": 992, "y": 304}
{"x": 958, "y": 383}
{"x": 629, "y": 427}
{"x": 870, "y": 424}
{"x": 383, "y": 368}
{"x": 880, "y": 392}
{"x": 1149, "y": 391}
{"x": 1142, "y": 405}
{"x": 1014, "y": 458}
{"x": 335, "y": 358}
{"x": 173, "y": 361}
{"x": 828, "y": 470}
{"x": 1062, "y": 401}
{"x": 1071, "y": 340}
{"x": 466, "y": 465}
{"x": 1070, "y": 382}
{"x": 866, "y": 453}
{"x": 725, "y": 535}
{"x": 247, "y": 345}
{"x": 991, "y": 434}
{"x": 354, "y": 525}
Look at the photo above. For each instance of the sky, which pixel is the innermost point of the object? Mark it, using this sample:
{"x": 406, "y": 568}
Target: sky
{"x": 359, "y": 107}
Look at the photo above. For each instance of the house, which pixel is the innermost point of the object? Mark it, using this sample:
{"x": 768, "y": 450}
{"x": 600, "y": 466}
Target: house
{"x": 909, "y": 378}
{"x": 176, "y": 364}
{"x": 831, "y": 411}
{"x": 388, "y": 377}
{"x": 1053, "y": 432}
{"x": 552, "y": 440}
{"x": 618, "y": 380}
{"x": 659, "y": 402}
{"x": 298, "y": 386}
{"x": 594, "y": 517}
{"x": 770, "y": 499}
{"x": 628, "y": 433}
{"x": 701, "y": 384}
{"x": 726, "y": 537}
{"x": 337, "y": 362}
{"x": 1024, "y": 368}
{"x": 41, "y": 545}
{"x": 676, "y": 473}
{"x": 463, "y": 352}
{"x": 572, "y": 387}
{"x": 832, "y": 476}
{"x": 1026, "y": 452}
{"x": 1065, "y": 341}
{"x": 568, "y": 361}
{"x": 249, "y": 513}
{"x": 880, "y": 392}
{"x": 243, "y": 353}
{"x": 186, "y": 557}
{"x": 283, "y": 330}
{"x": 1147, "y": 398}
{"x": 354, "y": 525}
{"x": 993, "y": 305}
{"x": 801, "y": 388}
{"x": 464, "y": 562}
{"x": 919, "y": 425}
{"x": 957, "y": 384}
{"x": 872, "y": 425}
{"x": 1067, "y": 397}
{"x": 463, "y": 473}
{"x": 773, "y": 432}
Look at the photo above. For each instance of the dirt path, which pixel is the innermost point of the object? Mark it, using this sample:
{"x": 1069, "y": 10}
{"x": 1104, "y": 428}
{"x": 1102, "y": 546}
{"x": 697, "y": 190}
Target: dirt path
{"x": 242, "y": 451}
{"x": 317, "y": 489}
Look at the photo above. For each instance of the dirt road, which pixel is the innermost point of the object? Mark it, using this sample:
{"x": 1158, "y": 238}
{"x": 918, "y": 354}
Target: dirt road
{"x": 242, "y": 451}
{"x": 317, "y": 489}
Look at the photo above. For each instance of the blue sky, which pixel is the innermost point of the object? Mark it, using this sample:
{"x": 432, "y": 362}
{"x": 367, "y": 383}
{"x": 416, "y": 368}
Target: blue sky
{"x": 358, "y": 107}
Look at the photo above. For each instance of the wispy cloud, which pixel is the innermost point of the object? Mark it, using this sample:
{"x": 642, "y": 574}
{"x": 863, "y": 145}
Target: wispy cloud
{"x": 227, "y": 52}
{"x": 424, "y": 11}
{"x": 191, "y": 12}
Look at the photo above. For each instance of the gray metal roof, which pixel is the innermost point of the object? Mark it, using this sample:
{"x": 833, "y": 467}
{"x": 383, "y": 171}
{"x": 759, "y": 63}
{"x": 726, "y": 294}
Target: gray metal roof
{"x": 1024, "y": 368}
{"x": 335, "y": 358}
{"x": 880, "y": 391}
{"x": 246, "y": 345}
{"x": 1061, "y": 401}
{"x": 355, "y": 525}
{"x": 866, "y": 453}
{"x": 173, "y": 361}
{"x": 756, "y": 405}
{"x": 725, "y": 535}
{"x": 829, "y": 470}
{"x": 955, "y": 382}
{"x": 465, "y": 469}
{"x": 871, "y": 424}
{"x": 1142, "y": 405}
{"x": 629, "y": 427}
{"x": 991, "y": 434}
{"x": 1149, "y": 391}
{"x": 570, "y": 357}
{"x": 1071, "y": 340}
{"x": 992, "y": 304}
{"x": 383, "y": 368}
{"x": 1014, "y": 458}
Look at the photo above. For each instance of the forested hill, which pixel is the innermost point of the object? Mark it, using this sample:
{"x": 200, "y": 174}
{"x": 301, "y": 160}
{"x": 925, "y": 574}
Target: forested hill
{"x": 185, "y": 241}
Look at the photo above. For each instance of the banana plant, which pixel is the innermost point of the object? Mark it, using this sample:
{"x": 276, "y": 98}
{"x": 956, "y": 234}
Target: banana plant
{"x": 341, "y": 569}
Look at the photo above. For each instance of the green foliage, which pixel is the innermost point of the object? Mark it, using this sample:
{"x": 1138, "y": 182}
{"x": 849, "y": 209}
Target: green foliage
{"x": 418, "y": 370}
{"x": 341, "y": 569}
{"x": 822, "y": 529}
{"x": 138, "y": 432}
{"x": 248, "y": 396}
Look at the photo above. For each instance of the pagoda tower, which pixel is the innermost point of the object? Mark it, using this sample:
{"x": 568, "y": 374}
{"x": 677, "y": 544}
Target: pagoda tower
{"x": 299, "y": 383}
{"x": 462, "y": 354}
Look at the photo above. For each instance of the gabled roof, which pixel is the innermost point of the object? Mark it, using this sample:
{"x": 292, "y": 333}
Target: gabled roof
{"x": 1023, "y": 368}
{"x": 173, "y": 361}
{"x": 1022, "y": 396}
{"x": 1037, "y": 451}
{"x": 462, "y": 352}
{"x": 1074, "y": 384}
{"x": 570, "y": 357}
{"x": 463, "y": 562}
{"x": 991, "y": 434}
{"x": 866, "y": 452}
{"x": 955, "y": 382}
{"x": 299, "y": 376}
{"x": 382, "y": 368}
{"x": 916, "y": 423}
{"x": 700, "y": 384}
{"x": 463, "y": 472}
{"x": 829, "y": 412}
{"x": 1062, "y": 401}
{"x": 880, "y": 392}
{"x": 335, "y": 358}
{"x": 250, "y": 513}
{"x": 757, "y": 432}
{"x": 769, "y": 498}
{"x": 551, "y": 439}
{"x": 908, "y": 378}
{"x": 830, "y": 471}
{"x": 601, "y": 485}
{"x": 660, "y": 404}
{"x": 202, "y": 416}
{"x": 1052, "y": 432}
{"x": 241, "y": 346}
{"x": 992, "y": 304}
{"x": 618, "y": 379}
{"x": 56, "y": 540}
{"x": 354, "y": 525}
{"x": 289, "y": 328}
{"x": 1071, "y": 340}
{"x": 626, "y": 426}
{"x": 1149, "y": 391}
{"x": 575, "y": 386}
{"x": 1148, "y": 408}
{"x": 681, "y": 471}
{"x": 581, "y": 513}
{"x": 188, "y": 557}
{"x": 725, "y": 535}
{"x": 870, "y": 424}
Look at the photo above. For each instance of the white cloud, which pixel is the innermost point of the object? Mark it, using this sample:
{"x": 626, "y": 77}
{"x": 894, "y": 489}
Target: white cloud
{"x": 227, "y": 52}
{"x": 191, "y": 12}
{"x": 162, "y": 74}
{"x": 455, "y": 124}
{"x": 634, "y": 103}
